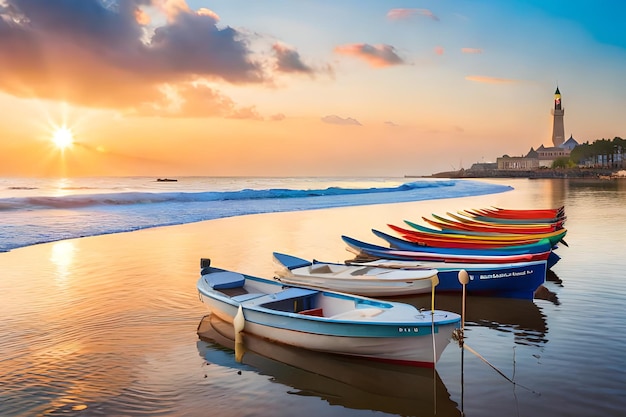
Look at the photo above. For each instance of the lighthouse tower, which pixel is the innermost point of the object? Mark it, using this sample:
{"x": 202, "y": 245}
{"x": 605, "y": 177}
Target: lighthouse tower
{"x": 558, "y": 130}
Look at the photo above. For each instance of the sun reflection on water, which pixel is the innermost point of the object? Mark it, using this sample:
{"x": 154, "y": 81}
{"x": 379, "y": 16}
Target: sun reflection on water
{"x": 62, "y": 256}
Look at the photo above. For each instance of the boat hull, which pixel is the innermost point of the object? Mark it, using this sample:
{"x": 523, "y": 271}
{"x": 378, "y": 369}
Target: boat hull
{"x": 410, "y": 336}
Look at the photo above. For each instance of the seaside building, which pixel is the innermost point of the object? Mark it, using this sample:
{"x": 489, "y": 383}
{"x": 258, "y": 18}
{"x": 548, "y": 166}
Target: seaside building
{"x": 544, "y": 156}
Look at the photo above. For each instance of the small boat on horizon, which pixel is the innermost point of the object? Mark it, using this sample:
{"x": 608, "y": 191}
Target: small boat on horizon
{"x": 166, "y": 180}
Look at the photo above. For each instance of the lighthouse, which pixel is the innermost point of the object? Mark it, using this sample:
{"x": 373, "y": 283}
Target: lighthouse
{"x": 558, "y": 130}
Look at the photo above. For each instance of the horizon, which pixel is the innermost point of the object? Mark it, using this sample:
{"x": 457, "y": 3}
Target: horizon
{"x": 174, "y": 88}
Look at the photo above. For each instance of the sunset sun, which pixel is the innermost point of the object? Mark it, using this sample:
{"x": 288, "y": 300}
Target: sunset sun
{"x": 62, "y": 138}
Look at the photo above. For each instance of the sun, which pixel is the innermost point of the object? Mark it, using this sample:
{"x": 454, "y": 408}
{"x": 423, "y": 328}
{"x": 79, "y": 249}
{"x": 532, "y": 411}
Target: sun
{"x": 62, "y": 138}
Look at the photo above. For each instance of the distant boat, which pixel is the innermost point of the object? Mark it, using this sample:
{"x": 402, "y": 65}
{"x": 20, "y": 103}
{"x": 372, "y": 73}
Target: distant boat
{"x": 327, "y": 321}
{"x": 166, "y": 180}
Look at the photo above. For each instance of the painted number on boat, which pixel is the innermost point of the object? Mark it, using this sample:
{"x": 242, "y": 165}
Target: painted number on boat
{"x": 408, "y": 329}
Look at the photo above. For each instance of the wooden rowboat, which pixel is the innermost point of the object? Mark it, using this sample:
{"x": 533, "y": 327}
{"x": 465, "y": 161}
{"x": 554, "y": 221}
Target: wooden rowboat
{"x": 326, "y": 321}
{"x": 554, "y": 237}
{"x": 486, "y": 227}
{"x": 360, "y": 280}
{"x": 415, "y": 255}
{"x": 523, "y": 213}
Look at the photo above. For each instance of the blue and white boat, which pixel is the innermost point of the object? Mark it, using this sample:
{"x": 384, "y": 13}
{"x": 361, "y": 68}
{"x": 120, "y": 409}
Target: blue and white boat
{"x": 507, "y": 280}
{"x": 327, "y": 321}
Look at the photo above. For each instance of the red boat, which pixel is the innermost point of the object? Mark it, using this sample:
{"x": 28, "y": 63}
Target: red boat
{"x": 458, "y": 241}
{"x": 523, "y": 213}
{"x": 444, "y": 223}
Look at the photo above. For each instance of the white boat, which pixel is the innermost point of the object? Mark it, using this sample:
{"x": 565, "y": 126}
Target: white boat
{"x": 327, "y": 321}
{"x": 371, "y": 281}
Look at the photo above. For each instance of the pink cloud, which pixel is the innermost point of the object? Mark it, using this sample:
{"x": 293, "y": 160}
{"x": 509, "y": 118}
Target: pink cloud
{"x": 471, "y": 50}
{"x": 376, "y": 55}
{"x": 402, "y": 14}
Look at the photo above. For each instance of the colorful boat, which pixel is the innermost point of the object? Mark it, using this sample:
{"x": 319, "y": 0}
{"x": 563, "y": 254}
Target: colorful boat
{"x": 504, "y": 213}
{"x": 508, "y": 226}
{"x": 444, "y": 240}
{"x": 541, "y": 250}
{"x": 554, "y": 237}
{"x": 483, "y": 216}
{"x": 415, "y": 255}
{"x": 443, "y": 222}
{"x": 326, "y": 321}
{"x": 360, "y": 280}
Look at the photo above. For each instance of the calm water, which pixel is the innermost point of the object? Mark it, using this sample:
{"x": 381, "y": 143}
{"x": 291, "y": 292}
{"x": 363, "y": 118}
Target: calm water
{"x": 108, "y": 325}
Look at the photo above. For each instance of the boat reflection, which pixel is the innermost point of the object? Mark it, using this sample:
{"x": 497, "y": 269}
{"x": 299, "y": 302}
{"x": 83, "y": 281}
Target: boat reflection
{"x": 523, "y": 318}
{"x": 349, "y": 382}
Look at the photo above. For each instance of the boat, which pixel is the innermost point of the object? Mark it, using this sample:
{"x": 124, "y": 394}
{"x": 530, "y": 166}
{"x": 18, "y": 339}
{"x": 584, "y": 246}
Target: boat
{"x": 446, "y": 223}
{"x": 485, "y": 217}
{"x": 360, "y": 280}
{"x": 540, "y": 247}
{"x": 438, "y": 256}
{"x": 541, "y": 250}
{"x": 443, "y": 229}
{"x": 347, "y": 382}
{"x": 506, "y": 280}
{"x": 449, "y": 240}
{"x": 326, "y": 321}
{"x": 508, "y": 226}
{"x": 504, "y": 213}
{"x": 167, "y": 180}
{"x": 513, "y": 280}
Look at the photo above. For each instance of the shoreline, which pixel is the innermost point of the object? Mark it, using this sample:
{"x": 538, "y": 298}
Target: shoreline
{"x": 560, "y": 173}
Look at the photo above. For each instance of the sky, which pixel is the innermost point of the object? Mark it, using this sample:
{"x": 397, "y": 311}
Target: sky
{"x": 300, "y": 87}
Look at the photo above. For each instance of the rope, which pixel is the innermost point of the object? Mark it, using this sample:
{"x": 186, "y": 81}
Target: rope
{"x": 496, "y": 369}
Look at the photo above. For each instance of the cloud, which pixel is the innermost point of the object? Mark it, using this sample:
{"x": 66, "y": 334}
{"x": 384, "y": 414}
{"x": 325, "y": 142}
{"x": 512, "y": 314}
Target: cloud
{"x": 277, "y": 117}
{"x": 471, "y": 50}
{"x": 336, "y": 120}
{"x": 490, "y": 80}
{"x": 377, "y": 56}
{"x": 85, "y": 53}
{"x": 402, "y": 14}
{"x": 288, "y": 60}
{"x": 194, "y": 100}
{"x": 439, "y": 50}
{"x": 390, "y": 123}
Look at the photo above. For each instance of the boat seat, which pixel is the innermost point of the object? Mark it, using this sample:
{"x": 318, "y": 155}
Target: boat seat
{"x": 245, "y": 297}
{"x": 224, "y": 280}
{"x": 358, "y": 314}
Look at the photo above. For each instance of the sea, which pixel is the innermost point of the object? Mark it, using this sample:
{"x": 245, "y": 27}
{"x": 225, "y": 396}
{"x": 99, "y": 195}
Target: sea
{"x": 43, "y": 210}
{"x": 100, "y": 315}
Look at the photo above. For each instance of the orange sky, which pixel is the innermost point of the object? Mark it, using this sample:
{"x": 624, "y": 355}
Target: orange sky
{"x": 174, "y": 87}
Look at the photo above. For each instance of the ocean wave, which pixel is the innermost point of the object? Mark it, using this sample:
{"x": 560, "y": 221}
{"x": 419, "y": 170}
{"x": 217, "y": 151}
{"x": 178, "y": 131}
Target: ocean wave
{"x": 30, "y": 220}
{"x": 134, "y": 198}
